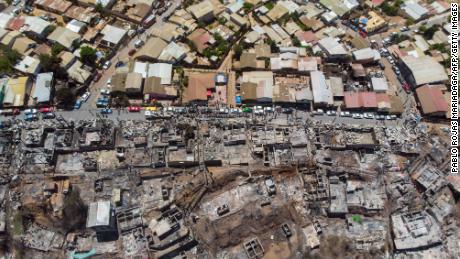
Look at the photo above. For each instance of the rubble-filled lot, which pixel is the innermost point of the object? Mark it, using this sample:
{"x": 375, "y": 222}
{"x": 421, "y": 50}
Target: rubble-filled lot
{"x": 239, "y": 187}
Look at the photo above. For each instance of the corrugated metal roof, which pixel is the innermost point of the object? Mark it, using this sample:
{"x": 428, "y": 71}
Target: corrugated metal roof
{"x": 379, "y": 84}
{"x": 355, "y": 100}
{"x": 42, "y": 90}
{"x": 161, "y": 70}
{"x": 332, "y": 47}
{"x": 431, "y": 99}
{"x": 426, "y": 69}
{"x": 321, "y": 92}
{"x": 99, "y": 214}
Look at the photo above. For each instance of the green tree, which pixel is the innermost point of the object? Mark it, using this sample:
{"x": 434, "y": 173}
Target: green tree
{"x": 296, "y": 41}
{"x": 438, "y": 46}
{"x": 269, "y": 5}
{"x": 65, "y": 97}
{"x": 238, "y": 50}
{"x": 409, "y": 21}
{"x": 56, "y": 49}
{"x": 49, "y": 30}
{"x": 99, "y": 7}
{"x": 207, "y": 52}
{"x": 247, "y": 7}
{"x": 8, "y": 59}
{"x": 428, "y": 33}
{"x": 222, "y": 20}
{"x": 388, "y": 9}
{"x": 88, "y": 55}
{"x": 52, "y": 63}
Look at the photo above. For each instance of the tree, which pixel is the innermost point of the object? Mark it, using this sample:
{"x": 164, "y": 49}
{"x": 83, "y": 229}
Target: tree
{"x": 49, "y": 30}
{"x": 428, "y": 33}
{"x": 8, "y": 59}
{"x": 74, "y": 211}
{"x": 438, "y": 46}
{"x": 201, "y": 24}
{"x": 238, "y": 50}
{"x": 88, "y": 55}
{"x": 99, "y": 8}
{"x": 409, "y": 21}
{"x": 390, "y": 10}
{"x": 56, "y": 49}
{"x": 296, "y": 41}
{"x": 222, "y": 20}
{"x": 65, "y": 97}
{"x": 52, "y": 63}
{"x": 269, "y": 5}
{"x": 247, "y": 7}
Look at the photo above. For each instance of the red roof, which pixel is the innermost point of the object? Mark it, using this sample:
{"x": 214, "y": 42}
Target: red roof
{"x": 307, "y": 36}
{"x": 377, "y": 2}
{"x": 431, "y": 99}
{"x": 369, "y": 99}
{"x": 381, "y": 97}
{"x": 16, "y": 23}
{"x": 352, "y": 100}
{"x": 355, "y": 100}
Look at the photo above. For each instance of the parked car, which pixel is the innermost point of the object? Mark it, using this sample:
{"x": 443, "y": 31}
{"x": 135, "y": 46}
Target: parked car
{"x": 369, "y": 115}
{"x": 106, "y": 111}
{"x": 27, "y": 9}
{"x": 268, "y": 109}
{"x": 30, "y": 111}
{"x": 104, "y": 91}
{"x": 391, "y": 117}
{"x": 16, "y": 2}
{"x": 30, "y": 117}
{"x": 77, "y": 105}
{"x": 357, "y": 116}
{"x": 406, "y": 87}
{"x": 345, "y": 114}
{"x": 134, "y": 109}
{"x": 331, "y": 113}
{"x": 318, "y": 112}
{"x": 10, "y": 112}
{"x": 131, "y": 52}
{"x": 107, "y": 64}
{"x": 49, "y": 115}
{"x": 247, "y": 110}
{"x": 102, "y": 102}
{"x": 403, "y": 29}
{"x": 97, "y": 77}
{"x": 138, "y": 43}
{"x": 379, "y": 117}
{"x": 16, "y": 11}
{"x": 85, "y": 97}
{"x": 46, "y": 109}
{"x": 119, "y": 64}
{"x": 148, "y": 114}
{"x": 287, "y": 110}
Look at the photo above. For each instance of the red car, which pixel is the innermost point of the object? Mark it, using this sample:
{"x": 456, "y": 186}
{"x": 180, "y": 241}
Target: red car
{"x": 131, "y": 52}
{"x": 134, "y": 109}
{"x": 406, "y": 87}
{"x": 97, "y": 77}
{"x": 46, "y": 109}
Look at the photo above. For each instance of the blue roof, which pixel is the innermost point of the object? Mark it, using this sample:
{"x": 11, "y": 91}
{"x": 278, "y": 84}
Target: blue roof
{"x": 238, "y": 99}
